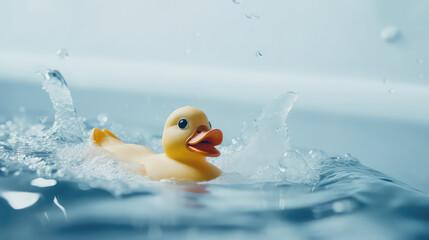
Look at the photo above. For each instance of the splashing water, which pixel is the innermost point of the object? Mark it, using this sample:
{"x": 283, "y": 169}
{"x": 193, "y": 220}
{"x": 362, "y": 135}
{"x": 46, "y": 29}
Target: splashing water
{"x": 52, "y": 175}
{"x": 62, "y": 151}
{"x": 67, "y": 127}
{"x": 255, "y": 155}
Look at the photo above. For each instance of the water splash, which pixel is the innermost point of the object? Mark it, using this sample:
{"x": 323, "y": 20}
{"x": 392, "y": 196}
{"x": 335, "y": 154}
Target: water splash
{"x": 62, "y": 151}
{"x": 255, "y": 154}
{"x": 66, "y": 127}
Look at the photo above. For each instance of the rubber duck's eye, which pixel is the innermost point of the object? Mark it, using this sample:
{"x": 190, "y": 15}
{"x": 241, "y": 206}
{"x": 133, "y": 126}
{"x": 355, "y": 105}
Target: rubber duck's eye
{"x": 210, "y": 125}
{"x": 183, "y": 123}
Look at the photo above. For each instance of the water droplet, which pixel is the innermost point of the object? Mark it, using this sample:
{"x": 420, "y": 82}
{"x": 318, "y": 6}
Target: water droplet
{"x": 236, "y": 1}
{"x": 390, "y": 34}
{"x": 252, "y": 16}
{"x": 63, "y": 53}
{"x": 21, "y": 109}
{"x": 43, "y": 119}
{"x": 102, "y": 118}
{"x": 258, "y": 53}
{"x": 391, "y": 91}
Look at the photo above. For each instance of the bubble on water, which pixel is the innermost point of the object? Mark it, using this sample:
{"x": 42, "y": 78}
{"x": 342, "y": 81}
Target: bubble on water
{"x": 236, "y": 1}
{"x": 252, "y": 16}
{"x": 21, "y": 109}
{"x": 391, "y": 91}
{"x": 63, "y": 53}
{"x": 258, "y": 53}
{"x": 390, "y": 34}
{"x": 102, "y": 119}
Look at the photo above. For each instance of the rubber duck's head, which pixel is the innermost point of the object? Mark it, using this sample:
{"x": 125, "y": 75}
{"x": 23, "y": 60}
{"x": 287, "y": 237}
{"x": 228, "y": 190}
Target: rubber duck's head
{"x": 188, "y": 135}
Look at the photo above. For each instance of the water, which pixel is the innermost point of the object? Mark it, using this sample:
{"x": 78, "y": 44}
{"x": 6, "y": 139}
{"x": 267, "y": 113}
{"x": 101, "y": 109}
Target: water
{"x": 54, "y": 185}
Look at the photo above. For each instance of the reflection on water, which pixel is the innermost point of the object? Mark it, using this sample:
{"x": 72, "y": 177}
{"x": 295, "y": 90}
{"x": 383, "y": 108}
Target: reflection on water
{"x": 20, "y": 200}
{"x": 41, "y": 182}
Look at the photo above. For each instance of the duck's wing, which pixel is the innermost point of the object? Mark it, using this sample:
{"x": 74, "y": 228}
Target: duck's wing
{"x": 110, "y": 143}
{"x": 104, "y": 138}
{"x": 109, "y": 133}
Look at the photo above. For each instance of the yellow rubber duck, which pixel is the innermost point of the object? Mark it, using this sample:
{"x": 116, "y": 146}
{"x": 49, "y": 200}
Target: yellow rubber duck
{"x": 187, "y": 140}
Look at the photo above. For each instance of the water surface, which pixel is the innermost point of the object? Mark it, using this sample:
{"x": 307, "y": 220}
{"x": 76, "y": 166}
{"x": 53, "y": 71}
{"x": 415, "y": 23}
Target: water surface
{"x": 54, "y": 185}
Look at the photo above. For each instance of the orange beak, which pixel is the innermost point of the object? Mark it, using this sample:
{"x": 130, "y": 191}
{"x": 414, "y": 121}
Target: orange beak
{"x": 203, "y": 141}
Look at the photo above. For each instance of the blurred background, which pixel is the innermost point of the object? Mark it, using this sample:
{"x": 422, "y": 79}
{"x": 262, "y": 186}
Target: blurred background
{"x": 361, "y": 73}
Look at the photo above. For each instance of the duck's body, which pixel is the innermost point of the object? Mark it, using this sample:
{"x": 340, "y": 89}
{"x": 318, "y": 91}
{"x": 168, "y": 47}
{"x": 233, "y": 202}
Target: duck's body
{"x": 185, "y": 149}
